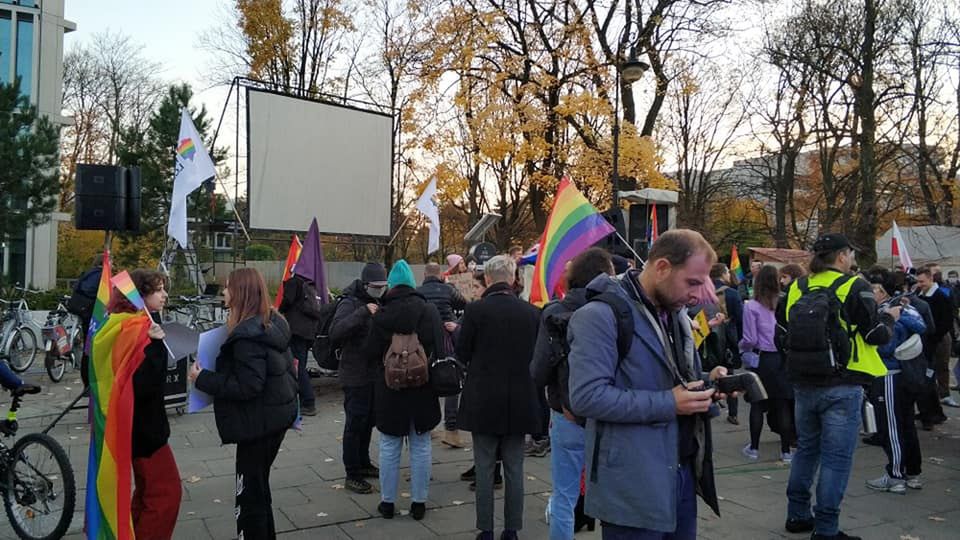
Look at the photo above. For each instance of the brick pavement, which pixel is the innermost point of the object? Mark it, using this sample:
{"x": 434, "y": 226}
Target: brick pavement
{"x": 310, "y": 503}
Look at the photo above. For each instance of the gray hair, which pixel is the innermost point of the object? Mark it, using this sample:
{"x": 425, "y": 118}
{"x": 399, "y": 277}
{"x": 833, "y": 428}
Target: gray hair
{"x": 433, "y": 269}
{"x": 501, "y": 268}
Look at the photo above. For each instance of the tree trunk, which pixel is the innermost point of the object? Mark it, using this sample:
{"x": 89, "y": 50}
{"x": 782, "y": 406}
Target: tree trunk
{"x": 865, "y": 233}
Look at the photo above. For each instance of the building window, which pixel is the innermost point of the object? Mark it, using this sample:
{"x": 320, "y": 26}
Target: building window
{"x": 224, "y": 240}
{"x": 6, "y": 46}
{"x": 25, "y": 52}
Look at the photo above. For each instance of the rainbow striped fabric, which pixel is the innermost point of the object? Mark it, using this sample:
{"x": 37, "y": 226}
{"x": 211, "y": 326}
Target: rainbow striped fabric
{"x": 125, "y": 285}
{"x": 573, "y": 226}
{"x": 735, "y": 267}
{"x": 118, "y": 350}
{"x": 100, "y": 303}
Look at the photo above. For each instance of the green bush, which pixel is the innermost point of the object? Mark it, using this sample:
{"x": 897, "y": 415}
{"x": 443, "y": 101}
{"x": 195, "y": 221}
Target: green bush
{"x": 260, "y": 252}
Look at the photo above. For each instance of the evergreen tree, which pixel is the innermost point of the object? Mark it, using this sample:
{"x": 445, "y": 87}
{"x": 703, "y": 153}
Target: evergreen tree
{"x": 152, "y": 148}
{"x": 29, "y": 163}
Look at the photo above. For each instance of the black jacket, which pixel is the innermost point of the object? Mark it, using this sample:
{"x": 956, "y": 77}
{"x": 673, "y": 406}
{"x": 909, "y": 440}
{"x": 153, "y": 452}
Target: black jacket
{"x": 942, "y": 308}
{"x": 443, "y": 295}
{"x": 348, "y": 331}
{"x": 546, "y": 368}
{"x": 254, "y": 388}
{"x": 300, "y": 307}
{"x": 404, "y": 311}
{"x": 151, "y": 429}
{"x": 497, "y": 338}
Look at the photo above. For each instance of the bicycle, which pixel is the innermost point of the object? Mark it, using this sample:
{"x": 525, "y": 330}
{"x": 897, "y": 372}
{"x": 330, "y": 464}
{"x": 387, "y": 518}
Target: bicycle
{"x": 200, "y": 312}
{"x": 62, "y": 341}
{"x": 36, "y": 479}
{"x": 18, "y": 342}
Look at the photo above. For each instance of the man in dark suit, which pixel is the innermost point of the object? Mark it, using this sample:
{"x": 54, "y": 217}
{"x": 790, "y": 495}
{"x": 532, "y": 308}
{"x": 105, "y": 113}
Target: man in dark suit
{"x": 499, "y": 401}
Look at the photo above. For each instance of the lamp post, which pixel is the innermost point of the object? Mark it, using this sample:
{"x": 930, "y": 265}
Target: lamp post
{"x": 630, "y": 72}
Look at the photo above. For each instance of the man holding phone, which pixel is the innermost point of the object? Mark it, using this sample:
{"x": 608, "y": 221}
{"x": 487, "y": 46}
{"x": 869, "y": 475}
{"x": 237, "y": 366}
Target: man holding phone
{"x": 636, "y": 378}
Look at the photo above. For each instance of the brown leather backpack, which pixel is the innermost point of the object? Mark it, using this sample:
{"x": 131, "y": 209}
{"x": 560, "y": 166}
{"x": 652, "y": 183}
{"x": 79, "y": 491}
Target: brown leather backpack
{"x": 405, "y": 364}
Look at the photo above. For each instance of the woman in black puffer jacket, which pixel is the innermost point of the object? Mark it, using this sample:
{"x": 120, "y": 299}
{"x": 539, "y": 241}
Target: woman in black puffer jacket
{"x": 410, "y": 413}
{"x": 254, "y": 391}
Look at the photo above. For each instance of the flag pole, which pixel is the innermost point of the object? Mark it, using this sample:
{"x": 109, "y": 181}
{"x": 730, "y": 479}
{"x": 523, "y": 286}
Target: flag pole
{"x": 635, "y": 254}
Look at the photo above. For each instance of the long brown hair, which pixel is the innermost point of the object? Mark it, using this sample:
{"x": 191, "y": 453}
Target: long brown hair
{"x": 248, "y": 297}
{"x": 766, "y": 286}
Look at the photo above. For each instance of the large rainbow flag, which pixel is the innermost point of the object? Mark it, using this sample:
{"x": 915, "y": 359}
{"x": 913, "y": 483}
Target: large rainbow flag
{"x": 735, "y": 267}
{"x": 573, "y": 226}
{"x": 117, "y": 353}
{"x": 100, "y": 303}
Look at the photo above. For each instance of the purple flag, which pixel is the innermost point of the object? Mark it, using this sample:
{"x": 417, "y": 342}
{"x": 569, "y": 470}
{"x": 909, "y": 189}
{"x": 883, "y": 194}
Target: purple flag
{"x": 310, "y": 264}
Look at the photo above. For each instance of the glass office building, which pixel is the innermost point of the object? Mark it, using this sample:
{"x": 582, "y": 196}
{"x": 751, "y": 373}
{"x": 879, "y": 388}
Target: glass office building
{"x": 31, "y": 48}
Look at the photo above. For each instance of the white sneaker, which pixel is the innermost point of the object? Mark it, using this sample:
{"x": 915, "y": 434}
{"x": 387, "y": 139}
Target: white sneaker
{"x": 914, "y": 482}
{"x": 950, "y": 402}
{"x": 786, "y": 457}
{"x": 885, "y": 483}
{"x": 750, "y": 453}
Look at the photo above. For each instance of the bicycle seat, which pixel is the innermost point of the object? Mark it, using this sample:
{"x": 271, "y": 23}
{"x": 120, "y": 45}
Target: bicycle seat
{"x": 24, "y": 389}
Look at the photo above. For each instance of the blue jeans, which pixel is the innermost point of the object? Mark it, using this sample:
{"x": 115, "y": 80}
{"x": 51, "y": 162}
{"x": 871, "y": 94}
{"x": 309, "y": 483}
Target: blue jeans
{"x": 420, "y": 457}
{"x": 566, "y": 463}
{"x": 9, "y": 379}
{"x": 827, "y": 422}
{"x": 686, "y": 515}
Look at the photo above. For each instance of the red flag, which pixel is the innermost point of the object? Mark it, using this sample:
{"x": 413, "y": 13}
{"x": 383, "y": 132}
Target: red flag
{"x": 292, "y": 256}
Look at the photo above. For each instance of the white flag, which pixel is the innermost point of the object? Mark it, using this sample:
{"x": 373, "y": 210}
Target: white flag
{"x": 899, "y": 248}
{"x": 427, "y": 205}
{"x": 192, "y": 168}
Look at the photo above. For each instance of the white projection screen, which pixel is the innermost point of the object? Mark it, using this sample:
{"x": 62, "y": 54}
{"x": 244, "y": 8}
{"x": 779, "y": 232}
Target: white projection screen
{"x": 308, "y": 159}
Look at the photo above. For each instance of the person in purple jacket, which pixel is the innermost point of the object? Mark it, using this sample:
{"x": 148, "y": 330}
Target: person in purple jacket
{"x": 760, "y": 355}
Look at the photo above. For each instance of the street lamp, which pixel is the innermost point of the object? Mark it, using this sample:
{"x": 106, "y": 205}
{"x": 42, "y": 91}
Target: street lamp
{"x": 629, "y": 72}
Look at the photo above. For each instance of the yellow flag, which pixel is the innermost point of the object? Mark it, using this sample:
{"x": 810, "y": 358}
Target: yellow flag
{"x": 701, "y": 334}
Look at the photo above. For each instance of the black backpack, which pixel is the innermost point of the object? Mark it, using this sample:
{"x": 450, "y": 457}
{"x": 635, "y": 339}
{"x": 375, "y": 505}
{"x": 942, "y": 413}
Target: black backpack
{"x": 327, "y": 356}
{"x": 816, "y": 342}
{"x": 84, "y": 294}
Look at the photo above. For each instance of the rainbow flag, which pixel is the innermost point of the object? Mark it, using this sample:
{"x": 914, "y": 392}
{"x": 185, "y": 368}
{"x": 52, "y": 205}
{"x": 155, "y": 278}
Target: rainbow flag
{"x": 735, "y": 267}
{"x": 295, "y": 248}
{"x": 125, "y": 285}
{"x": 100, "y": 304}
{"x": 654, "y": 232}
{"x": 573, "y": 226}
{"x": 118, "y": 350}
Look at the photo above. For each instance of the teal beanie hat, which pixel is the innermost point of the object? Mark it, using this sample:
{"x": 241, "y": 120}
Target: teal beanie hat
{"x": 401, "y": 274}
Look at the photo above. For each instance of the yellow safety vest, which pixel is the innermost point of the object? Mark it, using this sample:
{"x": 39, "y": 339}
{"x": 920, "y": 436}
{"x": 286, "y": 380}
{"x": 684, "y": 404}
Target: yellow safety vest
{"x": 865, "y": 357}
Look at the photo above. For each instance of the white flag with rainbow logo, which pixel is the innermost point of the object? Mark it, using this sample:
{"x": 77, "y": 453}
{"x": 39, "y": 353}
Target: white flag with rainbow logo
{"x": 192, "y": 168}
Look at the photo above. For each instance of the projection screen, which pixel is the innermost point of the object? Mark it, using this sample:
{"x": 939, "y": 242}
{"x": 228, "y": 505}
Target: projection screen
{"x": 308, "y": 159}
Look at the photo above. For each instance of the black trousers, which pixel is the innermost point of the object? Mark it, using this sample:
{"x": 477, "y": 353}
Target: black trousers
{"x": 299, "y": 347}
{"x": 254, "y": 509}
{"x": 928, "y": 402}
{"x": 896, "y": 427}
{"x": 357, "y": 428}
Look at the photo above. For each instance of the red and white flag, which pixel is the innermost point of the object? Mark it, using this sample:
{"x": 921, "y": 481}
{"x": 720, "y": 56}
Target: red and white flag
{"x": 899, "y": 248}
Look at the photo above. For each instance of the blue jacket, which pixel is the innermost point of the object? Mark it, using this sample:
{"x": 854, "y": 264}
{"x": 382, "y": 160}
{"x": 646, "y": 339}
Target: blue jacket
{"x": 908, "y": 324}
{"x": 632, "y": 428}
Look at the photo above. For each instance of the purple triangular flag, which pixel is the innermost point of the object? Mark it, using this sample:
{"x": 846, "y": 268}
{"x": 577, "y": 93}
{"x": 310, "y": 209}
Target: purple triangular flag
{"x": 310, "y": 264}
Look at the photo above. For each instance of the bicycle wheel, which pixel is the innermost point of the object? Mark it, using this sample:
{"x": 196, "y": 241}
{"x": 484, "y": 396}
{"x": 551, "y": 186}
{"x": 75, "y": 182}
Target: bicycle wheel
{"x": 56, "y": 366}
{"x": 41, "y": 493}
{"x": 23, "y": 349}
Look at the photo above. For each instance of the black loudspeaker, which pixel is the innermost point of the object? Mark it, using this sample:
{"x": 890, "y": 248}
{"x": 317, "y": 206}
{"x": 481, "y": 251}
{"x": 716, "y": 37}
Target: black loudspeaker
{"x": 640, "y": 222}
{"x": 101, "y": 202}
{"x": 611, "y": 242}
{"x": 133, "y": 199}
{"x": 642, "y": 247}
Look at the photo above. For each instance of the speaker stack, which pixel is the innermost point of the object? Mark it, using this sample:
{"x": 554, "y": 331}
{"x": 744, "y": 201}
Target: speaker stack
{"x": 107, "y": 198}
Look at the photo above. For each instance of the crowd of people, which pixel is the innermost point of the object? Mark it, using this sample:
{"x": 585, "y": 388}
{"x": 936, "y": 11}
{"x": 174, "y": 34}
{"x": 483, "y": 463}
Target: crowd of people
{"x": 609, "y": 380}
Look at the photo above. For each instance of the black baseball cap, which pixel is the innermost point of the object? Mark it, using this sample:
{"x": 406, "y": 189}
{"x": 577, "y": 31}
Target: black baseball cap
{"x": 830, "y": 242}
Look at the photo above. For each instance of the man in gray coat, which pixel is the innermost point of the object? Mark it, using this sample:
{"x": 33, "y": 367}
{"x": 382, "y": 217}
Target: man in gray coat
{"x": 648, "y": 439}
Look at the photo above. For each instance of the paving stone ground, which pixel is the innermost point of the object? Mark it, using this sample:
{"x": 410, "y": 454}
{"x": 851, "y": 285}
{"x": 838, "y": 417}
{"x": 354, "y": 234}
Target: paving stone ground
{"x": 309, "y": 502}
